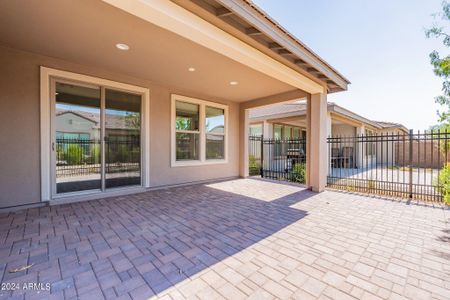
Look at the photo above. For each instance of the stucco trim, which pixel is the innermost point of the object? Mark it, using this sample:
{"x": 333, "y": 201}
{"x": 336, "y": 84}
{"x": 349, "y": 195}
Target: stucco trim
{"x": 45, "y": 122}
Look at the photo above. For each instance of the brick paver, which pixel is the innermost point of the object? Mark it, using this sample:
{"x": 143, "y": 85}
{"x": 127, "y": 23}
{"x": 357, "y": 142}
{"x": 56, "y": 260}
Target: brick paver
{"x": 243, "y": 238}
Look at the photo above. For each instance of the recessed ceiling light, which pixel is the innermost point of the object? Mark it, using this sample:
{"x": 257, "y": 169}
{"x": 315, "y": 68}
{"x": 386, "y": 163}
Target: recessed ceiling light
{"x": 121, "y": 46}
{"x": 191, "y": 69}
{"x": 233, "y": 82}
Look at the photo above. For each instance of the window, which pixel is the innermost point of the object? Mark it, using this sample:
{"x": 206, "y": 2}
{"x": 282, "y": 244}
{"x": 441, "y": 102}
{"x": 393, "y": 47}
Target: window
{"x": 255, "y": 129}
{"x": 215, "y": 134}
{"x": 187, "y": 131}
{"x": 200, "y": 131}
{"x": 277, "y": 131}
{"x": 287, "y": 132}
{"x": 281, "y": 131}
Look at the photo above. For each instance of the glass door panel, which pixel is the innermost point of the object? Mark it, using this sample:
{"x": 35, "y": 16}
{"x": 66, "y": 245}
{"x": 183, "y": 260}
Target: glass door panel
{"x": 77, "y": 144}
{"x": 122, "y": 139}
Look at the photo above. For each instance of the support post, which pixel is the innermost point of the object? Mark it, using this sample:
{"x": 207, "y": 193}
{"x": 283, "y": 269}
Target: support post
{"x": 261, "y": 169}
{"x": 243, "y": 141}
{"x": 308, "y": 141}
{"x": 410, "y": 185}
{"x": 361, "y": 155}
{"x": 267, "y": 132}
{"x": 317, "y": 139}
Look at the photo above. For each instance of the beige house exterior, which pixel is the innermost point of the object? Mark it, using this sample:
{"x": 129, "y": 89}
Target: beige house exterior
{"x": 203, "y": 63}
{"x": 288, "y": 120}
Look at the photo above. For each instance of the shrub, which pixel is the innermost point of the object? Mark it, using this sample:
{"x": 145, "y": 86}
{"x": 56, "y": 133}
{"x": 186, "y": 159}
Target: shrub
{"x": 254, "y": 165}
{"x": 95, "y": 154}
{"x": 73, "y": 154}
{"x": 298, "y": 173}
{"x": 123, "y": 153}
{"x": 443, "y": 183}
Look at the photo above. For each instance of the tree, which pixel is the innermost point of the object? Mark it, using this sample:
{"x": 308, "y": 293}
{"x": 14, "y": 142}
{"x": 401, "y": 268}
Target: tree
{"x": 441, "y": 65}
{"x": 133, "y": 120}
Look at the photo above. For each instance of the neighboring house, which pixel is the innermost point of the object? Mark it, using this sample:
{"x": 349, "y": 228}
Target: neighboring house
{"x": 78, "y": 124}
{"x": 289, "y": 120}
{"x": 86, "y": 127}
{"x": 189, "y": 71}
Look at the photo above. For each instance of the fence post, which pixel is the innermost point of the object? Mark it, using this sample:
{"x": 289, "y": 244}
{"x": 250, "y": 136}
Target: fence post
{"x": 261, "y": 157}
{"x": 410, "y": 163}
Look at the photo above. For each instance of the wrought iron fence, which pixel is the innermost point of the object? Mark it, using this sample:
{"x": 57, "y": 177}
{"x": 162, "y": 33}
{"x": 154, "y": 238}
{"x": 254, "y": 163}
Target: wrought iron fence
{"x": 407, "y": 165}
{"x": 255, "y": 155}
{"x": 77, "y": 157}
{"x": 281, "y": 159}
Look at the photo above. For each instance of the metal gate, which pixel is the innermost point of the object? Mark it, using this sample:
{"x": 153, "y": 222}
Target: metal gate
{"x": 408, "y": 165}
{"x": 280, "y": 159}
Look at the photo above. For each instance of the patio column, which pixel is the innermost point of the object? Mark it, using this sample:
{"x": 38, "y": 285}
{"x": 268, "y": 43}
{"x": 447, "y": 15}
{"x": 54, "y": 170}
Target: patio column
{"x": 267, "y": 132}
{"x": 243, "y": 141}
{"x": 360, "y": 155}
{"x": 317, "y": 140}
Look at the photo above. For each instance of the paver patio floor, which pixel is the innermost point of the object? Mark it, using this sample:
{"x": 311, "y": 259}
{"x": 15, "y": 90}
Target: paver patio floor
{"x": 244, "y": 238}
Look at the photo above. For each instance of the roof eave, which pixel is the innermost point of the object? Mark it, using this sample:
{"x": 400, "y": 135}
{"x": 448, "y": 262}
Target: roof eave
{"x": 282, "y": 45}
{"x": 305, "y": 57}
{"x": 349, "y": 114}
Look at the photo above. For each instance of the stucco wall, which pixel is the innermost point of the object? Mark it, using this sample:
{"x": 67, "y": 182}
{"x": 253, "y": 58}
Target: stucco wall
{"x": 20, "y": 139}
{"x": 343, "y": 130}
{"x": 386, "y": 153}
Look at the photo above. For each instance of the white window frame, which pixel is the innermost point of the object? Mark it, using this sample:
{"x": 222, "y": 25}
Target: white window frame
{"x": 202, "y": 132}
{"x": 46, "y": 115}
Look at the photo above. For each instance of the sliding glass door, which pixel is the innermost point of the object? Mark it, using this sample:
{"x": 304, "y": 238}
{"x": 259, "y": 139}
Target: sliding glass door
{"x": 122, "y": 139}
{"x": 96, "y": 134}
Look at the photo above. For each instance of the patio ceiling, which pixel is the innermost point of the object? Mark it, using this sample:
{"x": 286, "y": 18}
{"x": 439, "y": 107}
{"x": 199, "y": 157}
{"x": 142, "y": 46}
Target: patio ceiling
{"x": 76, "y": 31}
{"x": 245, "y": 20}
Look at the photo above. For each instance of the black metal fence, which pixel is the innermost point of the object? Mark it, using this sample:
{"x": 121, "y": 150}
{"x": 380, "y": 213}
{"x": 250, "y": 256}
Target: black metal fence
{"x": 278, "y": 159}
{"x": 407, "y": 165}
{"x": 78, "y": 157}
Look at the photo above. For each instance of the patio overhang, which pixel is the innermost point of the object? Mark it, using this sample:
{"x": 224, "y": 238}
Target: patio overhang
{"x": 173, "y": 49}
{"x": 175, "y": 18}
{"x": 165, "y": 40}
{"x": 248, "y": 22}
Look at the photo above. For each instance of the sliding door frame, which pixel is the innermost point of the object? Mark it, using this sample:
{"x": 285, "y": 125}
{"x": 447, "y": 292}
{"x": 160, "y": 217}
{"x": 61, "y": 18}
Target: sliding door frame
{"x": 49, "y": 77}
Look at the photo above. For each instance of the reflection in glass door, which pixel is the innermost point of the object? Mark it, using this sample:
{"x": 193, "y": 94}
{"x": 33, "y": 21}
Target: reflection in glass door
{"x": 122, "y": 139}
{"x": 77, "y": 138}
{"x": 97, "y": 138}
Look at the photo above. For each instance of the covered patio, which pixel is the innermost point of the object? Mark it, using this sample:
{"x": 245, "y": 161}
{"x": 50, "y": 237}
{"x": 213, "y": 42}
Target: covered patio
{"x": 244, "y": 238}
{"x": 144, "y": 94}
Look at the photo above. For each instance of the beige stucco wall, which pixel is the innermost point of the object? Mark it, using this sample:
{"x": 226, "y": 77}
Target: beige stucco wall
{"x": 343, "y": 130}
{"x": 20, "y": 139}
{"x": 386, "y": 154}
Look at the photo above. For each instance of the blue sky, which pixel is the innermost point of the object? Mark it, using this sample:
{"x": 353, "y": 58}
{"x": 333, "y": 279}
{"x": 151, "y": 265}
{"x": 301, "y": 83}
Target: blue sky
{"x": 380, "y": 46}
